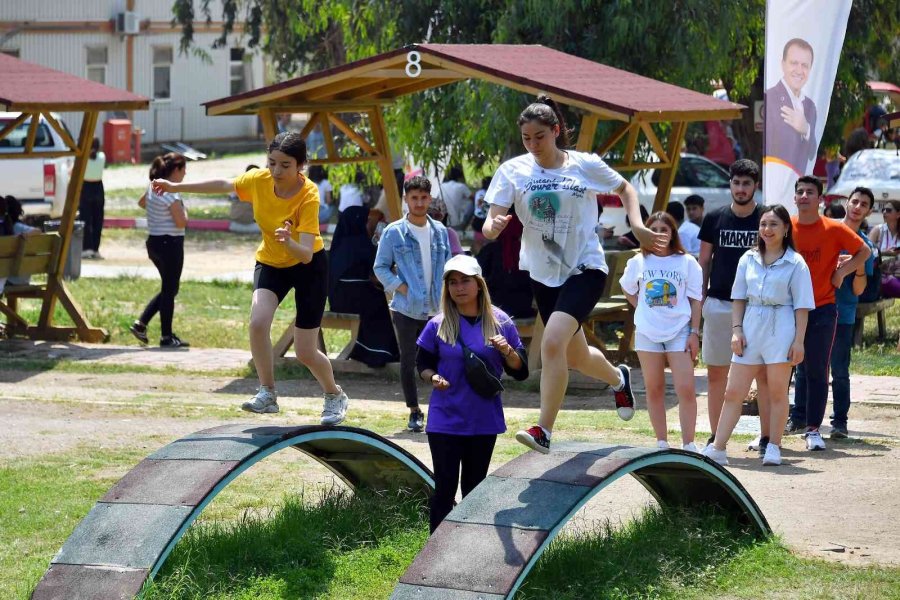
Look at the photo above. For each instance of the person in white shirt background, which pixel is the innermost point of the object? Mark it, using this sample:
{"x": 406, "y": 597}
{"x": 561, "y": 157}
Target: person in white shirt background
{"x": 688, "y": 232}
{"x": 458, "y": 198}
{"x": 351, "y": 194}
{"x": 666, "y": 288}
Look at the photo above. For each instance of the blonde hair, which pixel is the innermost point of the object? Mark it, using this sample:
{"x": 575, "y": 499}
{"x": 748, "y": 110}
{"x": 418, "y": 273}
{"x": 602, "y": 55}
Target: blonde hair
{"x": 449, "y": 328}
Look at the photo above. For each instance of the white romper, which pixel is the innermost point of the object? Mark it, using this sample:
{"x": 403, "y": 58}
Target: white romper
{"x": 772, "y": 293}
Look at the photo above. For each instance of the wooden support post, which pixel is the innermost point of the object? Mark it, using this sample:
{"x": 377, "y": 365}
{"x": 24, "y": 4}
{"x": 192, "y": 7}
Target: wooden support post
{"x": 269, "y": 124}
{"x": 586, "y": 132}
{"x": 667, "y": 175}
{"x": 342, "y": 125}
{"x": 32, "y": 132}
{"x": 327, "y": 135}
{"x": 613, "y": 139}
{"x": 385, "y": 162}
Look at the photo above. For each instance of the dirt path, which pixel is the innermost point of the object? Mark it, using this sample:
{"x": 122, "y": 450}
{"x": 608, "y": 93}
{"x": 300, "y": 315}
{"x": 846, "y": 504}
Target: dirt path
{"x": 847, "y": 498}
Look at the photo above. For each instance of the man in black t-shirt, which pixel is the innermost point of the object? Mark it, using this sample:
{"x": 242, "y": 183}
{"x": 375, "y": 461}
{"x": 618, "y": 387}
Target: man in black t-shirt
{"x": 725, "y": 235}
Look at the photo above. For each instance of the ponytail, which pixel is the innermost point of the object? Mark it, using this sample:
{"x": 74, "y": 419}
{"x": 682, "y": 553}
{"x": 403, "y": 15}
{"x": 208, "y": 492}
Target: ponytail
{"x": 547, "y": 112}
{"x": 162, "y": 166}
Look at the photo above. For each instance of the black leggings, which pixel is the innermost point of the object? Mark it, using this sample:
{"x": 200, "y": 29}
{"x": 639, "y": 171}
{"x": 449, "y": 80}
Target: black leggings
{"x": 448, "y": 453}
{"x": 90, "y": 209}
{"x": 167, "y": 254}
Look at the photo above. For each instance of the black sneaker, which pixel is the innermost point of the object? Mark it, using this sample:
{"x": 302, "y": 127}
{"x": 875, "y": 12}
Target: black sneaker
{"x": 763, "y": 444}
{"x": 416, "y": 421}
{"x": 792, "y": 427}
{"x": 839, "y": 432}
{"x": 139, "y": 330}
{"x": 534, "y": 438}
{"x": 711, "y": 440}
{"x": 172, "y": 341}
{"x": 624, "y": 397}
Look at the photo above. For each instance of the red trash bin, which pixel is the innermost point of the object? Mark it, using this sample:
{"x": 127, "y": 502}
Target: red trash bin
{"x": 117, "y": 140}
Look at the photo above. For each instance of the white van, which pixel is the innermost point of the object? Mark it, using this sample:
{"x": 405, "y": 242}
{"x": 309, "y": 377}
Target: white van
{"x": 40, "y": 184}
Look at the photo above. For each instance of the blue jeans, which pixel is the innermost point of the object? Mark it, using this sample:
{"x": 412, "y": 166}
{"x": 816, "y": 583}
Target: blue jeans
{"x": 811, "y": 381}
{"x": 840, "y": 374}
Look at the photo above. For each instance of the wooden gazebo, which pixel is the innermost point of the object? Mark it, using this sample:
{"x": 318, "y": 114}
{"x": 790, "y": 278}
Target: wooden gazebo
{"x": 34, "y": 92}
{"x": 638, "y": 104}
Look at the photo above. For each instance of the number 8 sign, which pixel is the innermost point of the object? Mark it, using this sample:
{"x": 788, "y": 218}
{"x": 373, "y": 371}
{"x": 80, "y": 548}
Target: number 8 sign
{"x": 413, "y": 64}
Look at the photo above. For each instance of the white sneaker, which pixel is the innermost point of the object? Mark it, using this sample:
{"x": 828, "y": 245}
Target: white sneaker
{"x": 814, "y": 440}
{"x": 335, "y": 409}
{"x": 690, "y": 447}
{"x": 717, "y": 456}
{"x": 754, "y": 445}
{"x": 265, "y": 401}
{"x": 662, "y": 444}
{"x": 773, "y": 456}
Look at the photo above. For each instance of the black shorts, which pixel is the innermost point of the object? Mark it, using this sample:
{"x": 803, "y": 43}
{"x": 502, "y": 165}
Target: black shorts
{"x": 576, "y": 297}
{"x": 310, "y": 283}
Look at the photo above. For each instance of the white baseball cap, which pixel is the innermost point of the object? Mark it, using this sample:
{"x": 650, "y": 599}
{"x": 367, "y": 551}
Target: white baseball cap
{"x": 462, "y": 263}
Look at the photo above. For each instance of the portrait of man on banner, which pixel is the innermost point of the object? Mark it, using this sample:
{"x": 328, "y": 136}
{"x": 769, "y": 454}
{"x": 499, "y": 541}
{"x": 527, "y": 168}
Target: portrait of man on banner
{"x": 790, "y": 113}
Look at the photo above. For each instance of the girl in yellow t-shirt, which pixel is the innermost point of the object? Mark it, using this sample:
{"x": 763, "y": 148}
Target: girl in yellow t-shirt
{"x": 290, "y": 255}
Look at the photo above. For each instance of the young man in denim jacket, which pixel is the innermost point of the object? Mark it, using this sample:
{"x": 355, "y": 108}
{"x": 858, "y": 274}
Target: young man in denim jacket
{"x": 410, "y": 265}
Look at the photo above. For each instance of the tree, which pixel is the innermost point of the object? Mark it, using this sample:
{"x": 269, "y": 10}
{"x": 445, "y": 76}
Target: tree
{"x": 692, "y": 43}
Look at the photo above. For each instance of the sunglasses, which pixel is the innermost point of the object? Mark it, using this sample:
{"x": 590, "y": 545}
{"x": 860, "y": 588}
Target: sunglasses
{"x": 887, "y": 209}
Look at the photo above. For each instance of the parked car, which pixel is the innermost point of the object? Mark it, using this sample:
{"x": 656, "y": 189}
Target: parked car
{"x": 39, "y": 183}
{"x": 878, "y": 170}
{"x": 695, "y": 175}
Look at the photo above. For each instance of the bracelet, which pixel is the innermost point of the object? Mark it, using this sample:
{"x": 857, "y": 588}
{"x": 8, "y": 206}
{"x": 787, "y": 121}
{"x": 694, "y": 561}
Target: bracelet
{"x": 692, "y": 330}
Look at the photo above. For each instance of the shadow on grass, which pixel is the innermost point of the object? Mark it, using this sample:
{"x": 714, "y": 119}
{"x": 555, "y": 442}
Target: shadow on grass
{"x": 662, "y": 554}
{"x": 299, "y": 550}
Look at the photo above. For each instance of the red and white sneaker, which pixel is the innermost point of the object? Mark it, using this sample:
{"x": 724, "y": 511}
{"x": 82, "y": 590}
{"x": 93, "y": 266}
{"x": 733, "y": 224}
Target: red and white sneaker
{"x": 534, "y": 438}
{"x": 625, "y": 397}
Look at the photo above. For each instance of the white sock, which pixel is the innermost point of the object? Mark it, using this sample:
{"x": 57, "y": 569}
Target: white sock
{"x": 621, "y": 385}
{"x": 546, "y": 432}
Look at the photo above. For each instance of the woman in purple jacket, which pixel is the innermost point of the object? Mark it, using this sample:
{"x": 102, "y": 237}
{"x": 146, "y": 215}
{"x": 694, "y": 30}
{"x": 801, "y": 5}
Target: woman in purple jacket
{"x": 463, "y": 425}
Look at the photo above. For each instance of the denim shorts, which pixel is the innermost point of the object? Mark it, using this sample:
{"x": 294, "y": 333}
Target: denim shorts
{"x": 677, "y": 344}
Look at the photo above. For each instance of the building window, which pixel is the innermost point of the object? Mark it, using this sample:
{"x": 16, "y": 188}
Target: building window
{"x": 162, "y": 72}
{"x": 237, "y": 71}
{"x": 14, "y": 52}
{"x": 96, "y": 64}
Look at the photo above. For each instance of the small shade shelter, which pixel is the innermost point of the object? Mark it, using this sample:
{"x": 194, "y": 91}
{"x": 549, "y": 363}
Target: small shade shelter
{"x": 638, "y": 105}
{"x": 36, "y": 91}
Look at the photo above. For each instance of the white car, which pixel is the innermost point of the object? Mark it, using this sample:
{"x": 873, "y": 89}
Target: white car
{"x": 40, "y": 184}
{"x": 878, "y": 170}
{"x": 695, "y": 175}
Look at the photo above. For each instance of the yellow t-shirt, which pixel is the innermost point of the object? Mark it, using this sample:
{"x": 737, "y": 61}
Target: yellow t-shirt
{"x": 270, "y": 212}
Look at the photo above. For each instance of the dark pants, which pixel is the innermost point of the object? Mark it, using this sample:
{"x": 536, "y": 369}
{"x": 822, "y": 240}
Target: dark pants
{"x": 811, "y": 383}
{"x": 448, "y": 453}
{"x": 407, "y": 330}
{"x": 167, "y": 254}
{"x": 840, "y": 374}
{"x": 90, "y": 209}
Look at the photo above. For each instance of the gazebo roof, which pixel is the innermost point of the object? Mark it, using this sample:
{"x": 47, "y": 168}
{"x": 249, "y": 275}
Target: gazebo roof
{"x": 27, "y": 87}
{"x": 597, "y": 88}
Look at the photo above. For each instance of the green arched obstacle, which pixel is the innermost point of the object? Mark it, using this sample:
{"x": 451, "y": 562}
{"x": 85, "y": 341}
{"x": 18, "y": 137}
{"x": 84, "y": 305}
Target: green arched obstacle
{"x": 127, "y": 536}
{"x": 491, "y": 540}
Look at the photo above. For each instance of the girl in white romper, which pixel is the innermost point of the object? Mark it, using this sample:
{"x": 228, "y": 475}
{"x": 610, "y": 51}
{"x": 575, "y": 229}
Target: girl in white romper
{"x": 772, "y": 296}
{"x": 666, "y": 287}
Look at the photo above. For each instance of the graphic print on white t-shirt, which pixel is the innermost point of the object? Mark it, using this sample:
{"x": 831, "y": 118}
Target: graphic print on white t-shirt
{"x": 558, "y": 210}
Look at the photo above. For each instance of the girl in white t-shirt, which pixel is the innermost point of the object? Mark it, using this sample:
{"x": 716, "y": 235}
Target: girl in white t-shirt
{"x": 666, "y": 287}
{"x": 554, "y": 191}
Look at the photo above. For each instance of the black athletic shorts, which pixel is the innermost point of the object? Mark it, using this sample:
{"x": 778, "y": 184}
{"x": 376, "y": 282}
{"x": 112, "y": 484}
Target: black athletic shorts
{"x": 576, "y": 297}
{"x": 310, "y": 283}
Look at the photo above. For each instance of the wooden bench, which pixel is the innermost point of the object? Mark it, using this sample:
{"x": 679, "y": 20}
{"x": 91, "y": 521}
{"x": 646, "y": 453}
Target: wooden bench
{"x": 40, "y": 255}
{"x": 864, "y": 309}
{"x": 613, "y": 307}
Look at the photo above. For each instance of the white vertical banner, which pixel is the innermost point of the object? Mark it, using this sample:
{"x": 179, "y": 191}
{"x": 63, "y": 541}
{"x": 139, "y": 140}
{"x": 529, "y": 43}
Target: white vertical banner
{"x": 803, "y": 46}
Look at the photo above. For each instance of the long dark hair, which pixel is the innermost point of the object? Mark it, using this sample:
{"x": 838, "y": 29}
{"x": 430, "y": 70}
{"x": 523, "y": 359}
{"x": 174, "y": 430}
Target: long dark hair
{"x": 95, "y": 147}
{"x": 674, "y": 241}
{"x": 291, "y": 144}
{"x": 785, "y": 217}
{"x": 163, "y": 165}
{"x": 547, "y": 112}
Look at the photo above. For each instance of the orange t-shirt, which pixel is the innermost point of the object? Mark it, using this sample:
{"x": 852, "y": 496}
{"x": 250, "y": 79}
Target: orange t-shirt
{"x": 270, "y": 212}
{"x": 820, "y": 244}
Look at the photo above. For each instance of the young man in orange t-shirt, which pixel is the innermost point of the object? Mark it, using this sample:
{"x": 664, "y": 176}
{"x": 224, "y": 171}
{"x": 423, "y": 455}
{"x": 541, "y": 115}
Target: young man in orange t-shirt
{"x": 821, "y": 242}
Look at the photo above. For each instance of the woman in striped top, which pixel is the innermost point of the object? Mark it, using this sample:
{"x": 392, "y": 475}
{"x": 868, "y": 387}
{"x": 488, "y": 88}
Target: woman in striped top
{"x": 166, "y": 220}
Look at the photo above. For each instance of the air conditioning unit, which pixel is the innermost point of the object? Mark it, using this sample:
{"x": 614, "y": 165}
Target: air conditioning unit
{"x": 128, "y": 23}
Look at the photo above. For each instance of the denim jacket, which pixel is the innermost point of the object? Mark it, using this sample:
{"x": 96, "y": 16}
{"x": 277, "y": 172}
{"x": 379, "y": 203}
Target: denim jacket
{"x": 398, "y": 246}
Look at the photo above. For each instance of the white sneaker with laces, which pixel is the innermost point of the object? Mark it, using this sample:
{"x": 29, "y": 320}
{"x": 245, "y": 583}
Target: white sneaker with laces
{"x": 773, "y": 456}
{"x": 754, "y": 445}
{"x": 265, "y": 401}
{"x": 814, "y": 440}
{"x": 662, "y": 444}
{"x": 334, "y": 410}
{"x": 719, "y": 457}
{"x": 690, "y": 447}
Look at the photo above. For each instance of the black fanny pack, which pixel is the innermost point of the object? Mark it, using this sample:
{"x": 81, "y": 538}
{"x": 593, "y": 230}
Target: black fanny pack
{"x": 481, "y": 380}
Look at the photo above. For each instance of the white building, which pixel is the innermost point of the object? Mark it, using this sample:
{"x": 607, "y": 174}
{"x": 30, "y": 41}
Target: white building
{"x": 132, "y": 44}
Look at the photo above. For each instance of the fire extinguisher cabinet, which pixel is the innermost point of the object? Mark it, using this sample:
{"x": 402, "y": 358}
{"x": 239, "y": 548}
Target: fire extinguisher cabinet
{"x": 117, "y": 140}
